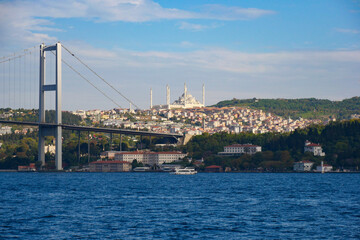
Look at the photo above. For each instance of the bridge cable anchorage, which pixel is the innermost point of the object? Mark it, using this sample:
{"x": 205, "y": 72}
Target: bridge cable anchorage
{"x": 127, "y": 99}
{"x": 89, "y": 82}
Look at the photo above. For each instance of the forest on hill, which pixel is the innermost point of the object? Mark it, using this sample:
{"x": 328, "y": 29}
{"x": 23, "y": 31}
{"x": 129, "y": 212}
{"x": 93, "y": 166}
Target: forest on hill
{"x": 311, "y": 108}
{"x": 340, "y": 141}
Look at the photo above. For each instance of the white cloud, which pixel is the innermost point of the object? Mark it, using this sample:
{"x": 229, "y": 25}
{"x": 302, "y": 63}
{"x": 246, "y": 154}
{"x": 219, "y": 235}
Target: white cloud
{"x": 196, "y": 27}
{"x": 20, "y": 19}
{"x": 351, "y": 31}
{"x": 322, "y": 74}
{"x": 191, "y": 26}
{"x": 186, "y": 44}
{"x": 217, "y": 11}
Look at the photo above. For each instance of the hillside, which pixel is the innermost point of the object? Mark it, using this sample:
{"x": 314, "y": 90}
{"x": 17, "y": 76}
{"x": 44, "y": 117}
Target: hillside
{"x": 305, "y": 107}
{"x": 340, "y": 141}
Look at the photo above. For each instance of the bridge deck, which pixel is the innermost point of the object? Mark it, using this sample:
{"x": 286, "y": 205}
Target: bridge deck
{"x": 94, "y": 129}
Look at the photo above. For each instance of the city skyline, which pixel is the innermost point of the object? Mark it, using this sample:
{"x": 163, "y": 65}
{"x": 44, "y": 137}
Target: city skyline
{"x": 262, "y": 49}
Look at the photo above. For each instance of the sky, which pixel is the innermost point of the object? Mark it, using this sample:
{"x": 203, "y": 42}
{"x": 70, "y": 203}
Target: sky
{"x": 237, "y": 48}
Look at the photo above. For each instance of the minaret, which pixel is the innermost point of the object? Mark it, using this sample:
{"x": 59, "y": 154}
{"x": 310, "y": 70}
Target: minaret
{"x": 168, "y": 96}
{"x": 203, "y": 95}
{"x": 185, "y": 94}
{"x": 150, "y": 98}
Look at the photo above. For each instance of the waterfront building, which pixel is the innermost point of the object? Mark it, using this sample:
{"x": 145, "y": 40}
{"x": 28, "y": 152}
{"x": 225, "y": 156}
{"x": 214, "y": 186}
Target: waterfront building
{"x": 238, "y": 149}
{"x": 314, "y": 148}
{"x": 324, "y": 167}
{"x": 150, "y": 158}
{"x": 110, "y": 166}
{"x": 213, "y": 169}
{"x": 303, "y": 166}
{"x": 29, "y": 168}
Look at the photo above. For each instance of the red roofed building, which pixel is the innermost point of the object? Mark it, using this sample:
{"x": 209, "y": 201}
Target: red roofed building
{"x": 30, "y": 168}
{"x": 110, "y": 166}
{"x": 324, "y": 167}
{"x": 238, "y": 149}
{"x": 213, "y": 169}
{"x": 314, "y": 148}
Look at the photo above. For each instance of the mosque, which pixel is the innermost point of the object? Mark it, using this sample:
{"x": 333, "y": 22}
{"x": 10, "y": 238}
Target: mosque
{"x": 186, "y": 100}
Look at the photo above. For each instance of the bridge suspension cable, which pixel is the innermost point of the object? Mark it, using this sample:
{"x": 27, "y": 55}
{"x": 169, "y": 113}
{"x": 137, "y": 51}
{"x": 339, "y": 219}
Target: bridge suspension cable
{"x": 83, "y": 77}
{"x": 106, "y": 82}
{"x": 18, "y": 79}
{"x": 16, "y": 54}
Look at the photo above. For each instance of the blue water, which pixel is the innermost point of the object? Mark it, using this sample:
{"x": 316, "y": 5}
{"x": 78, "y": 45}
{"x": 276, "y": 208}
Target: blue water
{"x": 164, "y": 206}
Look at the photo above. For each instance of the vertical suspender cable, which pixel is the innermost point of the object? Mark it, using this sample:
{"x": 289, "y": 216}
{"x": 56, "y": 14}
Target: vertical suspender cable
{"x": 35, "y": 80}
{"x": 30, "y": 80}
{"x": 20, "y": 84}
{"x": 14, "y": 86}
{"x": 25, "y": 83}
{"x": 9, "y": 83}
{"x": 4, "y": 84}
{"x": 51, "y": 72}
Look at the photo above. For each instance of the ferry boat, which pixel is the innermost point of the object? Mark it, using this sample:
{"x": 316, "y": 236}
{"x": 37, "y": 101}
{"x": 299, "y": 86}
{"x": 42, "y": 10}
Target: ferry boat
{"x": 141, "y": 169}
{"x": 184, "y": 171}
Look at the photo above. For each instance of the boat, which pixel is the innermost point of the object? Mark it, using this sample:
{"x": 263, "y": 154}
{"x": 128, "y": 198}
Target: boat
{"x": 184, "y": 171}
{"x": 141, "y": 169}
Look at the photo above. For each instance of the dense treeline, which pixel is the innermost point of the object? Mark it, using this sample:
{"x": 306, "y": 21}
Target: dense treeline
{"x": 340, "y": 141}
{"x": 18, "y": 149}
{"x": 306, "y": 108}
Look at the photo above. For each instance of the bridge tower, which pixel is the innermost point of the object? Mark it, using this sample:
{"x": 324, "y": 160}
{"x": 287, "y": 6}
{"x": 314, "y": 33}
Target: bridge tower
{"x": 51, "y": 130}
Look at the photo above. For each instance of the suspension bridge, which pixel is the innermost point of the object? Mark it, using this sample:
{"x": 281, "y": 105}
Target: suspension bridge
{"x": 26, "y": 83}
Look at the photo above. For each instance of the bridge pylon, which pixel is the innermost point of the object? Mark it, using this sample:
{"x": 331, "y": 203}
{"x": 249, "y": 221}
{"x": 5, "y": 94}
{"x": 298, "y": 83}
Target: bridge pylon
{"x": 56, "y": 130}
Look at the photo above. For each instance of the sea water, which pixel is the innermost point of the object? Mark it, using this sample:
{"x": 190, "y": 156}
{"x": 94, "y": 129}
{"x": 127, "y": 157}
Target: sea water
{"x": 164, "y": 206}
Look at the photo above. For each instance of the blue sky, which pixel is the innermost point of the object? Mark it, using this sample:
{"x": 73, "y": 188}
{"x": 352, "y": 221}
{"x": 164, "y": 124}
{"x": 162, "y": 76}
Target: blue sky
{"x": 241, "y": 49}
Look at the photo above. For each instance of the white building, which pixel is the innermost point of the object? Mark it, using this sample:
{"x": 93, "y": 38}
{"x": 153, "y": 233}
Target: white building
{"x": 5, "y": 130}
{"x": 80, "y": 113}
{"x": 109, "y": 155}
{"x": 50, "y": 149}
{"x": 303, "y": 166}
{"x": 315, "y": 149}
{"x": 238, "y": 149}
{"x": 150, "y": 158}
{"x": 186, "y": 100}
{"x": 324, "y": 167}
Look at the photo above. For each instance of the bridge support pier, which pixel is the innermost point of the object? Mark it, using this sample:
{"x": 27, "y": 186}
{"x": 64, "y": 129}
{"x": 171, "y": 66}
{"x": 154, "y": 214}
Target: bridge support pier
{"x": 79, "y": 136}
{"x": 110, "y": 143}
{"x": 120, "y": 144}
{"x": 55, "y": 131}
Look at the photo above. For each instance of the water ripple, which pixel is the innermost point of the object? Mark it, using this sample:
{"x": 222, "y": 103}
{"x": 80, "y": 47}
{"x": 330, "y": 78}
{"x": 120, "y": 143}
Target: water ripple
{"x": 164, "y": 206}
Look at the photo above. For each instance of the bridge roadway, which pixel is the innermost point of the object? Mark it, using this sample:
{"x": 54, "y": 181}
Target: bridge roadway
{"x": 93, "y": 129}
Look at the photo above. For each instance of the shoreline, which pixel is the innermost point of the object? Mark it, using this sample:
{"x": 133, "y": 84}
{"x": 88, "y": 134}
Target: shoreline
{"x": 63, "y": 171}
